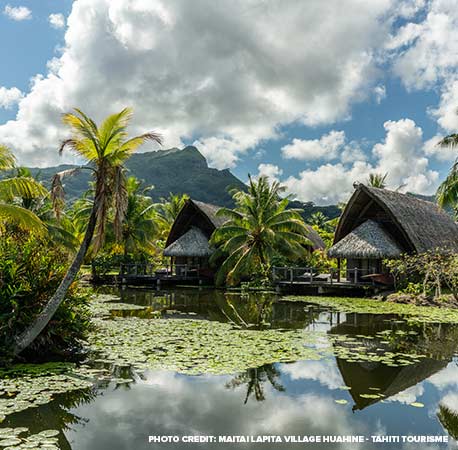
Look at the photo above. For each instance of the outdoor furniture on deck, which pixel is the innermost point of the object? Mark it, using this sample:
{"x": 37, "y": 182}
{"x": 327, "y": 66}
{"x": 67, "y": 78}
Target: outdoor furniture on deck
{"x": 382, "y": 278}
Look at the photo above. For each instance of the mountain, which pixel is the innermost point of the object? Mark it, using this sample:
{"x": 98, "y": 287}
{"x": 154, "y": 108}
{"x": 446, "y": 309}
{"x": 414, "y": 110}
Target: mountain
{"x": 173, "y": 170}
{"x": 180, "y": 171}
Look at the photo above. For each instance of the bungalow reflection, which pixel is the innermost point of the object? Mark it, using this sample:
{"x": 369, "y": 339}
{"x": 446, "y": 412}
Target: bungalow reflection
{"x": 373, "y": 381}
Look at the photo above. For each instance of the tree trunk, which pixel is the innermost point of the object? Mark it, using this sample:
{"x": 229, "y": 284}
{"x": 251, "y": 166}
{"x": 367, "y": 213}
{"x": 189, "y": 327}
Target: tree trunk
{"x": 23, "y": 340}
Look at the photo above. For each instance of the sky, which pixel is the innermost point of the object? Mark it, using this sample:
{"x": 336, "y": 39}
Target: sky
{"x": 314, "y": 94}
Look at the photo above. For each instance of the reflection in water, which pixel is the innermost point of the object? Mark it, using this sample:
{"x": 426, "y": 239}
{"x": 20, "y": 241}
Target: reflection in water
{"x": 449, "y": 420}
{"x": 254, "y": 380}
{"x": 287, "y": 399}
{"x": 437, "y": 341}
{"x": 60, "y": 415}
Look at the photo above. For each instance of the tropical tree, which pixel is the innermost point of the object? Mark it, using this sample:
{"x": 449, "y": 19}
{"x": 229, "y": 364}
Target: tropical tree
{"x": 58, "y": 231}
{"x": 14, "y": 190}
{"x": 318, "y": 219}
{"x": 106, "y": 148}
{"x": 377, "y": 180}
{"x": 139, "y": 227}
{"x": 167, "y": 211}
{"x": 257, "y": 230}
{"x": 447, "y": 194}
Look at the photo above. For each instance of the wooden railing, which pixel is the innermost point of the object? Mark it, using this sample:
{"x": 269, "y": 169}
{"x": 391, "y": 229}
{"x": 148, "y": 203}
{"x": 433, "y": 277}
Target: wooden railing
{"x": 313, "y": 275}
{"x": 150, "y": 270}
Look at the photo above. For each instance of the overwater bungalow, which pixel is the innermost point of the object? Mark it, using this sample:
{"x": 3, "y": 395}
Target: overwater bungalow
{"x": 188, "y": 242}
{"x": 379, "y": 223}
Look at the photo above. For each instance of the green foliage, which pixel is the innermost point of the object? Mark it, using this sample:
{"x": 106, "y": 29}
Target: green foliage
{"x": 30, "y": 271}
{"x": 412, "y": 288}
{"x": 377, "y": 180}
{"x": 259, "y": 229}
{"x": 167, "y": 211}
{"x": 447, "y": 194}
{"x": 432, "y": 270}
{"x": 14, "y": 191}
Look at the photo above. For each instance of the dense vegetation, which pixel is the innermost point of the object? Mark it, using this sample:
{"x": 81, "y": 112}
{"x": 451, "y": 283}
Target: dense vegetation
{"x": 31, "y": 268}
{"x": 257, "y": 231}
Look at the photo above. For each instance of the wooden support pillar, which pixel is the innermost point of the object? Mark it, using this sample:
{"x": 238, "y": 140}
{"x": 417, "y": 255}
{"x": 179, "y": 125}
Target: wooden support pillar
{"x": 338, "y": 270}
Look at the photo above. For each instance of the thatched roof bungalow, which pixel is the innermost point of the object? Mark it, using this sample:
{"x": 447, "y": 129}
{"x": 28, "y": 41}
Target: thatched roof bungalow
{"x": 188, "y": 241}
{"x": 379, "y": 223}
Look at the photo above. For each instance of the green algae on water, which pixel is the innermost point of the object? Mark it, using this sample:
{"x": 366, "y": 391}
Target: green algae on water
{"x": 429, "y": 314}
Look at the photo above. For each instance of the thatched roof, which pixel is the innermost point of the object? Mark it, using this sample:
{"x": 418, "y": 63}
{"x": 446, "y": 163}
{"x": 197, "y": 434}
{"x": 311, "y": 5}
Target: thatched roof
{"x": 416, "y": 225}
{"x": 368, "y": 241}
{"x": 210, "y": 211}
{"x": 192, "y": 243}
{"x": 315, "y": 238}
{"x": 195, "y": 214}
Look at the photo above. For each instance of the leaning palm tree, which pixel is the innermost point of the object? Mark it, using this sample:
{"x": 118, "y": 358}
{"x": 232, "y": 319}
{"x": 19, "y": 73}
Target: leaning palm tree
{"x": 106, "y": 148}
{"x": 14, "y": 190}
{"x": 259, "y": 228}
{"x": 447, "y": 193}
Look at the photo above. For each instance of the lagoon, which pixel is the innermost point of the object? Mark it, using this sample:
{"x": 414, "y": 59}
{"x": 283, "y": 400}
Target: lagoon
{"x": 189, "y": 362}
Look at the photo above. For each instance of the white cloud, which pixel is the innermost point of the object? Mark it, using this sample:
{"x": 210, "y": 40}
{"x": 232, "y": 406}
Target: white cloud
{"x": 325, "y": 148}
{"x": 328, "y": 184}
{"x": 269, "y": 170}
{"x": 425, "y": 55}
{"x": 432, "y": 148}
{"x": 327, "y": 374}
{"x": 233, "y": 88}
{"x": 379, "y": 93}
{"x": 402, "y": 155}
{"x": 9, "y": 97}
{"x": 57, "y": 20}
{"x": 447, "y": 111}
{"x": 18, "y": 13}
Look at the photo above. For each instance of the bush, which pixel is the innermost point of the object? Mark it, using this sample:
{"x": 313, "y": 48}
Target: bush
{"x": 30, "y": 271}
{"x": 426, "y": 273}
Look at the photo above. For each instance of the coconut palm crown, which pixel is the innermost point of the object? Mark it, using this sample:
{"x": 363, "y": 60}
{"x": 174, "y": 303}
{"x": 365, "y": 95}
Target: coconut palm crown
{"x": 447, "y": 193}
{"x": 259, "y": 228}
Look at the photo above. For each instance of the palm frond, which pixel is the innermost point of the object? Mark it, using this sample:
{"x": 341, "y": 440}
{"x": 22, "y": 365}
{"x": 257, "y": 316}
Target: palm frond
{"x": 7, "y": 160}
{"x": 23, "y": 217}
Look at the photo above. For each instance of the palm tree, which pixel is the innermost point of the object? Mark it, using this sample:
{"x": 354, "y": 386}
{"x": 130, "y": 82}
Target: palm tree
{"x": 139, "y": 227}
{"x": 377, "y": 180}
{"x": 447, "y": 193}
{"x": 318, "y": 219}
{"x": 167, "y": 211}
{"x": 106, "y": 148}
{"x": 14, "y": 190}
{"x": 259, "y": 228}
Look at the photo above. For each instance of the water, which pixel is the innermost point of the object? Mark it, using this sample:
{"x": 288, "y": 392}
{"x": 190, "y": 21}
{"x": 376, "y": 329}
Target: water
{"x": 288, "y": 399}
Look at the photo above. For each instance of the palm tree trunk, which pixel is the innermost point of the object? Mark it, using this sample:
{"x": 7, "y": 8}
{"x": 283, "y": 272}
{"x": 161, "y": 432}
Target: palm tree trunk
{"x": 23, "y": 340}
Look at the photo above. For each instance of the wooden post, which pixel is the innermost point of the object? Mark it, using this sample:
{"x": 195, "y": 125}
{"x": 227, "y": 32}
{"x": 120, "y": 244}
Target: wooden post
{"x": 338, "y": 270}
{"x": 356, "y": 275}
{"x": 291, "y": 276}
{"x": 311, "y": 275}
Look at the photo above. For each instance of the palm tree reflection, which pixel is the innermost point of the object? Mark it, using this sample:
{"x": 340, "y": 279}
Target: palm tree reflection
{"x": 255, "y": 379}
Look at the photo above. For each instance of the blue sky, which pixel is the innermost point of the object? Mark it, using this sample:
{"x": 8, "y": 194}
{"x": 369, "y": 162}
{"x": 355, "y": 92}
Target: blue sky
{"x": 317, "y": 104}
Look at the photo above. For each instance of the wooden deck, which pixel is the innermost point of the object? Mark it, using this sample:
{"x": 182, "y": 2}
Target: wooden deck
{"x": 141, "y": 274}
{"x": 309, "y": 281}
